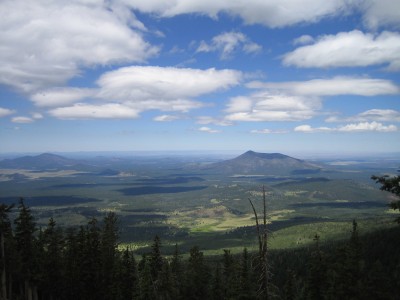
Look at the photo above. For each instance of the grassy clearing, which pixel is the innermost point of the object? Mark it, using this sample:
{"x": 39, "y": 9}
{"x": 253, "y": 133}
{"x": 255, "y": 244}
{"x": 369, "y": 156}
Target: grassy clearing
{"x": 302, "y": 235}
{"x": 217, "y": 219}
{"x": 213, "y": 242}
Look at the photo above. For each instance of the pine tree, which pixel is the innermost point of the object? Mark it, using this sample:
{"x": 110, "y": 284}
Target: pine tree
{"x": 197, "y": 276}
{"x": 108, "y": 248}
{"x": 218, "y": 290}
{"x": 74, "y": 255}
{"x": 165, "y": 286}
{"x": 6, "y": 250}
{"x": 291, "y": 288}
{"x": 156, "y": 259}
{"x": 177, "y": 272}
{"x": 146, "y": 283}
{"x": 229, "y": 275}
{"x": 125, "y": 281}
{"x": 377, "y": 283}
{"x": 346, "y": 273}
{"x": 91, "y": 262}
{"x": 52, "y": 260}
{"x": 245, "y": 291}
{"x": 25, "y": 227}
{"x": 316, "y": 280}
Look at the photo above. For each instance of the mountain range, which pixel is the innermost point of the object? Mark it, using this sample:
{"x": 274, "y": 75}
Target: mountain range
{"x": 44, "y": 161}
{"x": 249, "y": 163}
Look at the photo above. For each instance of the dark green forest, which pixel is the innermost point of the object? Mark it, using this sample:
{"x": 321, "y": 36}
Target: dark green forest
{"x": 87, "y": 263}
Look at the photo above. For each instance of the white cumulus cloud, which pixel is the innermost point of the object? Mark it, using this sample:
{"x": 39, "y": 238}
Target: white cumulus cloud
{"x": 208, "y": 130}
{"x": 304, "y": 39}
{"x": 140, "y": 88}
{"x": 166, "y": 118}
{"x": 266, "y": 131}
{"x": 366, "y": 126}
{"x": 265, "y": 107}
{"x": 89, "y": 111}
{"x": 61, "y": 96}
{"x": 378, "y": 13}
{"x": 381, "y": 115}
{"x": 5, "y": 112}
{"x": 211, "y": 120}
{"x": 228, "y": 43}
{"x": 353, "y": 127}
{"x": 271, "y": 13}
{"x": 22, "y": 120}
{"x": 44, "y": 43}
{"x": 37, "y": 116}
{"x": 333, "y": 86}
{"x": 166, "y": 83}
{"x": 349, "y": 49}
{"x": 308, "y": 128}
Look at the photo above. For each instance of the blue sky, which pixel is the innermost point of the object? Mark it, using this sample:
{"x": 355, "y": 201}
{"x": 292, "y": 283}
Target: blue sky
{"x": 274, "y": 76}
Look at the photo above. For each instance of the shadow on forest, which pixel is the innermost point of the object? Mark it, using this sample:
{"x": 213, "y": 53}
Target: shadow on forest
{"x": 354, "y": 205}
{"x": 149, "y": 190}
{"x": 48, "y": 200}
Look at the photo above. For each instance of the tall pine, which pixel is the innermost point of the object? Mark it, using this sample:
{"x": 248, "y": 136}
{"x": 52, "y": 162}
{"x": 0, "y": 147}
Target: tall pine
{"x": 25, "y": 227}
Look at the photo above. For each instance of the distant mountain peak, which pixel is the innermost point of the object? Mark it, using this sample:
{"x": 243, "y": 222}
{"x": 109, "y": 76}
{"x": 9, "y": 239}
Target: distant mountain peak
{"x": 251, "y": 153}
{"x": 252, "y": 162}
{"x": 41, "y": 161}
{"x": 49, "y": 156}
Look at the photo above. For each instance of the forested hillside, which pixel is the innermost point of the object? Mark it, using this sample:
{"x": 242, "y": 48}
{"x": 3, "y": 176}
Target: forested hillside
{"x": 86, "y": 263}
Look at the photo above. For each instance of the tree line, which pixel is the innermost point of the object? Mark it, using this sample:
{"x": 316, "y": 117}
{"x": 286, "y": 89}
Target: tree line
{"x": 54, "y": 263}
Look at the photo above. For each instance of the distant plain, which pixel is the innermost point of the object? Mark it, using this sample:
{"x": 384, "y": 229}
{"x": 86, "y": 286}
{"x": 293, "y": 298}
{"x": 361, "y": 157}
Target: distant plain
{"x": 184, "y": 201}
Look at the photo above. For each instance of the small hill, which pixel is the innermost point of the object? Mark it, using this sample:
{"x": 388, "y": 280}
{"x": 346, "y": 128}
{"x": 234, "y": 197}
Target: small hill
{"x": 254, "y": 163}
{"x": 45, "y": 161}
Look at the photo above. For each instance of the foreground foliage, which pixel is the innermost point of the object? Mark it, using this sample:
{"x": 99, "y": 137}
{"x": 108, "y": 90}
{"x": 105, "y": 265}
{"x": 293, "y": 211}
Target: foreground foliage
{"x": 85, "y": 263}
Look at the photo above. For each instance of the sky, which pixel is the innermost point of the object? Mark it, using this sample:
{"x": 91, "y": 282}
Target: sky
{"x": 286, "y": 76}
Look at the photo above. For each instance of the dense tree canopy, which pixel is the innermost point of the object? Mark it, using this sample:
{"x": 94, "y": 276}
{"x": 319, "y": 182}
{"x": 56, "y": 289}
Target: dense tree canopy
{"x": 87, "y": 263}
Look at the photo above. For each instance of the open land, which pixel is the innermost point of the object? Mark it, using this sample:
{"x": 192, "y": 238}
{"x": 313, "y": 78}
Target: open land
{"x": 184, "y": 202}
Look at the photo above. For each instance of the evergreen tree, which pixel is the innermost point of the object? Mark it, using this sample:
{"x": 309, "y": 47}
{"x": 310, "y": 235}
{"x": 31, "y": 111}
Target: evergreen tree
{"x": 156, "y": 259}
{"x": 177, "y": 272}
{"x": 25, "y": 227}
{"x": 52, "y": 260}
{"x": 197, "y": 276}
{"x": 146, "y": 283}
{"x": 91, "y": 262}
{"x": 245, "y": 291}
{"x": 75, "y": 243}
{"x": 292, "y": 289}
{"x": 125, "y": 281}
{"x": 345, "y": 274}
{"x": 165, "y": 286}
{"x": 377, "y": 283}
{"x": 6, "y": 250}
{"x": 109, "y": 244}
{"x": 229, "y": 275}
{"x": 355, "y": 263}
{"x": 218, "y": 290}
{"x": 316, "y": 281}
